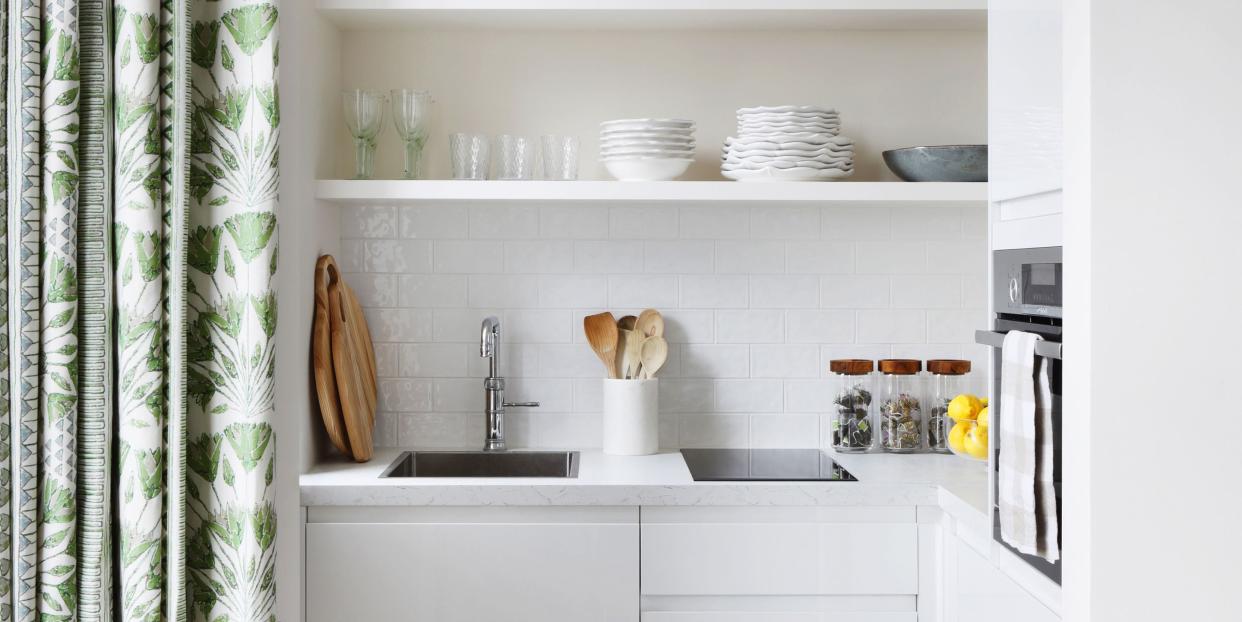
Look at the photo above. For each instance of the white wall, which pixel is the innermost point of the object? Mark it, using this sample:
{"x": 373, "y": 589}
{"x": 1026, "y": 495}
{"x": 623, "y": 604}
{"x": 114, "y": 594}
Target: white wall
{"x": 757, "y": 298}
{"x": 309, "y": 72}
{"x": 893, "y": 89}
{"x": 1152, "y": 226}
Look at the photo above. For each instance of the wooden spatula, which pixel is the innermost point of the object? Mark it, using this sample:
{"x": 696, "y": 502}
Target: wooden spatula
{"x": 601, "y": 333}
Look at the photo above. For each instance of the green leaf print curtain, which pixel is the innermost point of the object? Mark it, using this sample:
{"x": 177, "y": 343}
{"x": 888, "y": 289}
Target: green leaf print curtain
{"x": 138, "y": 253}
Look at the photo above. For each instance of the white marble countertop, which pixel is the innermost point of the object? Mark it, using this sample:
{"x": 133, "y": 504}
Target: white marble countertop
{"x": 958, "y": 485}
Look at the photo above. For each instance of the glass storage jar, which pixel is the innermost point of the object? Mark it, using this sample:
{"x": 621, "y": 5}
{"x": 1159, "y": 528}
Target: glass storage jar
{"x": 852, "y": 428}
{"x": 948, "y": 380}
{"x": 901, "y": 413}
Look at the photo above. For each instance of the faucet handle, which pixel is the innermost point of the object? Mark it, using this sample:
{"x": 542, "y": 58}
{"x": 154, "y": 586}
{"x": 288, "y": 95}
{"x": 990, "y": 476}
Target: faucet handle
{"x": 521, "y": 404}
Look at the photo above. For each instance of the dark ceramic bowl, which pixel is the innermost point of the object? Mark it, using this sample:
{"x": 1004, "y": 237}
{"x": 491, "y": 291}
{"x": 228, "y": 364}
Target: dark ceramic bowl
{"x": 943, "y": 163}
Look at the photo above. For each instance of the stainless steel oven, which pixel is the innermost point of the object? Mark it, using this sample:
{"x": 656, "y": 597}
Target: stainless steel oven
{"x": 1027, "y": 295}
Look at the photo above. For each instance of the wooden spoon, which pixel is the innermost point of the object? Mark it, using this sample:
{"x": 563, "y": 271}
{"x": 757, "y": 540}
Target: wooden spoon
{"x": 601, "y": 333}
{"x": 650, "y": 323}
{"x": 630, "y": 348}
{"x": 653, "y": 353}
{"x": 627, "y": 322}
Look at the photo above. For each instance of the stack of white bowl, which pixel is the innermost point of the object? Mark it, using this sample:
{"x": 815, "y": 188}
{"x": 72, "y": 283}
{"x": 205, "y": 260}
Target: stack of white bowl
{"x": 788, "y": 143}
{"x": 646, "y": 149}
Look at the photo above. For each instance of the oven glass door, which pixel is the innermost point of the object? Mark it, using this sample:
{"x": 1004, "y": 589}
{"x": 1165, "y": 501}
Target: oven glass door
{"x": 1049, "y": 329}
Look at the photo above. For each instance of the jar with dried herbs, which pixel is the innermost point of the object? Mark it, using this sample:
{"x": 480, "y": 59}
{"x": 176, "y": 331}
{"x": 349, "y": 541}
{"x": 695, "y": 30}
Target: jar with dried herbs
{"x": 852, "y": 429}
{"x": 948, "y": 380}
{"x": 901, "y": 411}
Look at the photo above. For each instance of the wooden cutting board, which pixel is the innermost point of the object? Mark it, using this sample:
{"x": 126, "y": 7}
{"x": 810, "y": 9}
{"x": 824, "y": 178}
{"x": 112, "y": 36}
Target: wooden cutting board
{"x": 353, "y": 359}
{"x": 326, "y": 272}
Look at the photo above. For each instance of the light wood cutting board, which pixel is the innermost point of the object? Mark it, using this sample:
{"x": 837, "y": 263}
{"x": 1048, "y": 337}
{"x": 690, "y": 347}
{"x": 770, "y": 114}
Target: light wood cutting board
{"x": 353, "y": 359}
{"x": 326, "y": 272}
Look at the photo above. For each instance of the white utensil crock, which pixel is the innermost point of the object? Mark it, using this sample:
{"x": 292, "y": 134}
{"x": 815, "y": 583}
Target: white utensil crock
{"x": 631, "y": 417}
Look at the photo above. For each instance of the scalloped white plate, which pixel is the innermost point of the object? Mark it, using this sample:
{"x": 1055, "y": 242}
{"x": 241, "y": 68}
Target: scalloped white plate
{"x": 786, "y": 109}
{"x": 792, "y": 174}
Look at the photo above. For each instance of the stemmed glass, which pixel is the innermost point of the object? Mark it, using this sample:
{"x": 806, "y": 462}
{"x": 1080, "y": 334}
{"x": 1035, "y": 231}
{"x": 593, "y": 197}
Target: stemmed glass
{"x": 364, "y": 115}
{"x": 410, "y": 110}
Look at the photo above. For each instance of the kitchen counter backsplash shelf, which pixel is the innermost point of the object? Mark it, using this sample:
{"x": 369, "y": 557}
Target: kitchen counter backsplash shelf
{"x": 404, "y": 191}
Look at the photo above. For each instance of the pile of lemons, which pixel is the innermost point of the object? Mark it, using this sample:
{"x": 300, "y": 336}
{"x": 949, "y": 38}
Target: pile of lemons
{"x": 969, "y": 435}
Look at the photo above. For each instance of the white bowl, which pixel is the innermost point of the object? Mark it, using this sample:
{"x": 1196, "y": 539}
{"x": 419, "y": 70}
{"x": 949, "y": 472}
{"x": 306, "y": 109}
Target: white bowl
{"x": 786, "y": 110}
{"x": 663, "y": 136}
{"x": 657, "y": 151}
{"x": 790, "y": 174}
{"x": 647, "y": 169}
{"x": 648, "y": 125}
{"x": 660, "y": 144}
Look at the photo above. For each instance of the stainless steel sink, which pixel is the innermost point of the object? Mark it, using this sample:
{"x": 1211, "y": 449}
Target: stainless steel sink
{"x": 484, "y": 464}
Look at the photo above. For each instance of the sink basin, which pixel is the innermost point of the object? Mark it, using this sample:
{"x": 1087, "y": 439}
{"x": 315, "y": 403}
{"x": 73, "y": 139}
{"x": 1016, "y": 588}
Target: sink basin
{"x": 484, "y": 464}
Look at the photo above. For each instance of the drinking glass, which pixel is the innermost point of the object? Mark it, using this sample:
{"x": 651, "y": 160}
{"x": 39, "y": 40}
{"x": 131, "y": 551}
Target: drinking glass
{"x": 469, "y": 153}
{"x": 364, "y": 115}
{"x": 515, "y": 157}
{"x": 560, "y": 157}
{"x": 409, "y": 114}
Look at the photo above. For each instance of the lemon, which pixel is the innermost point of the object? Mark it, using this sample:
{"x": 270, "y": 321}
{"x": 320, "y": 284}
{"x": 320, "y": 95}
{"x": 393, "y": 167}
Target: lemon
{"x": 977, "y": 443}
{"x": 982, "y": 419}
{"x": 984, "y": 401}
{"x": 964, "y": 407}
{"x": 957, "y": 437}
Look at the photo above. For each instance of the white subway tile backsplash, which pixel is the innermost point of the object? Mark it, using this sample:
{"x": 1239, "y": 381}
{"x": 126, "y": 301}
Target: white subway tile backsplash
{"x": 399, "y": 325}
{"x": 369, "y": 221}
{"x": 781, "y": 431}
{"x": 679, "y": 257}
{"x": 927, "y": 223}
{"x": 434, "y": 222}
{"x": 757, "y": 299}
{"x": 715, "y": 361}
{"x": 890, "y": 257}
{"x": 784, "y": 222}
{"x": 819, "y": 258}
{"x": 642, "y": 291}
{"x": 497, "y": 290}
{"x": 606, "y": 257}
{"x": 503, "y": 222}
{"x": 573, "y": 222}
{"x": 856, "y": 223}
{"x": 854, "y": 291}
{"x": 466, "y": 256}
{"x": 539, "y": 257}
{"x": 806, "y": 326}
{"x": 433, "y": 360}
{"x": 784, "y": 292}
{"x": 750, "y": 257}
{"x": 573, "y": 291}
{"x": 715, "y": 292}
{"x": 892, "y": 326}
{"x": 927, "y": 291}
{"x": 396, "y": 256}
{"x": 713, "y": 222}
{"x": 432, "y": 290}
{"x": 749, "y": 396}
{"x": 642, "y": 222}
{"x": 784, "y": 361}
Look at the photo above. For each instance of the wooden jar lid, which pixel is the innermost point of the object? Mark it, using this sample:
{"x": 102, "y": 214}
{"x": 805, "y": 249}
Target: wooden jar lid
{"x": 948, "y": 367}
{"x": 851, "y": 367}
{"x": 901, "y": 367}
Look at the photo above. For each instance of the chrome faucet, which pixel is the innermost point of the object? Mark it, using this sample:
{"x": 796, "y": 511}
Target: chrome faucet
{"x": 494, "y": 388}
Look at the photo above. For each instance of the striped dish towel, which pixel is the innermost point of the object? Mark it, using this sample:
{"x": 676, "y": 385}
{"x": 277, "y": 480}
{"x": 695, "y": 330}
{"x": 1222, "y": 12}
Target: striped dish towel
{"x": 1027, "y": 498}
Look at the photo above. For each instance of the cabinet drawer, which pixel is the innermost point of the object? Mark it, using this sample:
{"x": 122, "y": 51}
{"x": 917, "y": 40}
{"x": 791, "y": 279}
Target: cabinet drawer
{"x": 779, "y": 551}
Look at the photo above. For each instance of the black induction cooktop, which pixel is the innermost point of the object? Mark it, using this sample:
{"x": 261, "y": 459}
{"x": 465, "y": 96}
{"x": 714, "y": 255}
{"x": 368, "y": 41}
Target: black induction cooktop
{"x": 767, "y": 465}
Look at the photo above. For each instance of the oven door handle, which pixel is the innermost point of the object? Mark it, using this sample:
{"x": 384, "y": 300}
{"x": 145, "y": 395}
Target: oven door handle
{"x": 1046, "y": 349}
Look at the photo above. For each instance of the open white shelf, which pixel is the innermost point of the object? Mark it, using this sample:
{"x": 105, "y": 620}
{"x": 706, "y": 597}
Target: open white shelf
{"x": 660, "y": 14}
{"x": 379, "y": 191}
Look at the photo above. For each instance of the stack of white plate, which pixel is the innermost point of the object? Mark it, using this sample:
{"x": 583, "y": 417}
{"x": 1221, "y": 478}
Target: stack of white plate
{"x": 646, "y": 149}
{"x": 788, "y": 143}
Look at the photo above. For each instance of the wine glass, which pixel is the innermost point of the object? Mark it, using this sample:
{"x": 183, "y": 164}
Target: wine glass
{"x": 410, "y": 109}
{"x": 364, "y": 115}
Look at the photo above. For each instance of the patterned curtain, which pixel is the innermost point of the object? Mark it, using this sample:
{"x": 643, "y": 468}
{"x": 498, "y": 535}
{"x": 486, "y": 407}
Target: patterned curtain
{"x": 138, "y": 253}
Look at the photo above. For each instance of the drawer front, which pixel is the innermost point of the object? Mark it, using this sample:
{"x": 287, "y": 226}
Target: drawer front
{"x": 782, "y": 554}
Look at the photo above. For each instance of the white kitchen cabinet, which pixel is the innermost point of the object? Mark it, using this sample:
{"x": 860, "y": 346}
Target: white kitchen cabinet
{"x": 1024, "y": 122}
{"x": 468, "y": 564}
{"x": 779, "y": 563}
{"x": 976, "y": 591}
